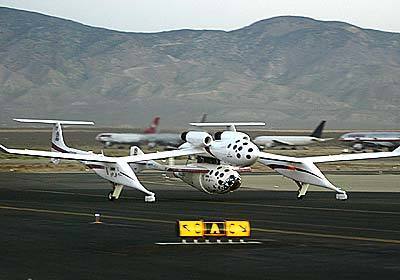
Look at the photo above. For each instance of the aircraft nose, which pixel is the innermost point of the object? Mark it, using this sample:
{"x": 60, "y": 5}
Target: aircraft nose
{"x": 246, "y": 152}
{"x": 252, "y": 151}
{"x": 233, "y": 182}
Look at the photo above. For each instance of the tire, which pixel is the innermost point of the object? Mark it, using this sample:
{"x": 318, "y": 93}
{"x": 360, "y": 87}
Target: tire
{"x": 110, "y": 196}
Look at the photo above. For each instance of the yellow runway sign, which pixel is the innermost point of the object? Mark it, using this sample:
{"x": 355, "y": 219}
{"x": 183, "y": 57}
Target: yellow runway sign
{"x": 213, "y": 228}
{"x": 190, "y": 228}
{"x": 237, "y": 228}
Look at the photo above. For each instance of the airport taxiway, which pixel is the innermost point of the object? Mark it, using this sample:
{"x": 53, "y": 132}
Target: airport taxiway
{"x": 46, "y": 230}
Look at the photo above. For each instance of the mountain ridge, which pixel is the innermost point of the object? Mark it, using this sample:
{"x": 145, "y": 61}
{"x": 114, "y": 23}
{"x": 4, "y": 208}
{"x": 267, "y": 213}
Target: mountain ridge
{"x": 287, "y": 71}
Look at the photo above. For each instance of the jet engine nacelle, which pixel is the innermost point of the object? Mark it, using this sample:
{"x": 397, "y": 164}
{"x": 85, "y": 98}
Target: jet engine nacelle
{"x": 197, "y": 138}
{"x": 219, "y": 180}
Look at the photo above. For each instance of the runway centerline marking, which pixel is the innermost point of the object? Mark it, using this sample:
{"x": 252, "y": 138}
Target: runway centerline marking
{"x": 136, "y": 219}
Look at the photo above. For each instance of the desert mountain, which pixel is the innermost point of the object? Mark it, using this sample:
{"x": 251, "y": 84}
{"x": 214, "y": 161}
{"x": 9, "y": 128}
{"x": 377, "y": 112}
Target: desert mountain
{"x": 287, "y": 71}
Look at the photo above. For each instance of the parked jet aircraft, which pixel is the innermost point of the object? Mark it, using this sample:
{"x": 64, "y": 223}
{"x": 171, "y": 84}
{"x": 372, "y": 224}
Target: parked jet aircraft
{"x": 374, "y": 139}
{"x": 233, "y": 150}
{"x": 117, "y": 170}
{"x": 150, "y": 137}
{"x": 293, "y": 141}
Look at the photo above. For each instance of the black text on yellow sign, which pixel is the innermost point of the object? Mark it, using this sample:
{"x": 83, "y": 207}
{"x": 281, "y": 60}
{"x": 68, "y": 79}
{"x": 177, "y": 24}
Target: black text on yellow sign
{"x": 237, "y": 228}
{"x": 190, "y": 228}
{"x": 213, "y": 228}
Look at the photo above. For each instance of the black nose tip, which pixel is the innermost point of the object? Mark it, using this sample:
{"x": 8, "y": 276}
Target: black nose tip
{"x": 233, "y": 183}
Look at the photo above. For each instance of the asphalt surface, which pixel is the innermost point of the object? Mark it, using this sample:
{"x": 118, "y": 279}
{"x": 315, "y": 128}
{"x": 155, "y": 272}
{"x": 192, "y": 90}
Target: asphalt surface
{"x": 46, "y": 232}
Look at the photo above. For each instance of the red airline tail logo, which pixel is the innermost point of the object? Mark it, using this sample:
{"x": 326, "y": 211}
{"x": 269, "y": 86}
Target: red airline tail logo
{"x": 153, "y": 126}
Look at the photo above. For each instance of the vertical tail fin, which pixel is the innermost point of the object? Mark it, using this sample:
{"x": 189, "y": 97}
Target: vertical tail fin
{"x": 318, "y": 131}
{"x": 57, "y": 139}
{"x": 153, "y": 126}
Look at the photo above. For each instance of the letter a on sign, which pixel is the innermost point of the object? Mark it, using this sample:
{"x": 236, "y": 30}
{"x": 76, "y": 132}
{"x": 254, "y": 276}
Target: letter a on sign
{"x": 214, "y": 228}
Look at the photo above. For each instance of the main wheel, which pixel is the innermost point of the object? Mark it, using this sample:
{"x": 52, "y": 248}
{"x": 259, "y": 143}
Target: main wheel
{"x": 110, "y": 196}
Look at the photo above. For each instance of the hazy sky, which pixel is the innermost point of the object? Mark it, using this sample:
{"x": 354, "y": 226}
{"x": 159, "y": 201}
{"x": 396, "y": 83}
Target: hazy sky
{"x": 160, "y": 15}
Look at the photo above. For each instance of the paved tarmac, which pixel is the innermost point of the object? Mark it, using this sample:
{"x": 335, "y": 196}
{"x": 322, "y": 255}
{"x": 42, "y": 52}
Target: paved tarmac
{"x": 46, "y": 232}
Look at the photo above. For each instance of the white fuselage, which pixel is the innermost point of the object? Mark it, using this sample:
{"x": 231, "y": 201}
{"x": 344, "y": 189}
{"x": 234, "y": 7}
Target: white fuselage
{"x": 360, "y": 140}
{"x": 237, "y": 150}
{"x": 272, "y": 141}
{"x": 161, "y": 139}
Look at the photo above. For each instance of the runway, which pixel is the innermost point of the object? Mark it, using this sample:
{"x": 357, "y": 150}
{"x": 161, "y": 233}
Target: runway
{"x": 46, "y": 231}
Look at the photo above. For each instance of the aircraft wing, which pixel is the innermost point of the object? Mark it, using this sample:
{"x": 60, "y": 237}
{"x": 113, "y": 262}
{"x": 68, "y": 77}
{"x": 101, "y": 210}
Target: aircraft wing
{"x": 165, "y": 154}
{"x": 378, "y": 144}
{"x": 280, "y": 142}
{"x": 272, "y": 157}
{"x": 348, "y": 157}
{"x": 102, "y": 158}
{"x": 330, "y": 158}
{"x": 58, "y": 155}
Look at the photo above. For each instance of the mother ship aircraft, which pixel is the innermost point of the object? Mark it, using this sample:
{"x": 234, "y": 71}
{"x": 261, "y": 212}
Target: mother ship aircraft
{"x": 232, "y": 150}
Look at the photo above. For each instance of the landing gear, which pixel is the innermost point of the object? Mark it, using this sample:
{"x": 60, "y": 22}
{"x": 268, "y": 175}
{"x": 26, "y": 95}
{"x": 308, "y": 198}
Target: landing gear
{"x": 302, "y": 189}
{"x": 110, "y": 196}
{"x": 150, "y": 198}
{"x": 341, "y": 196}
{"x": 115, "y": 193}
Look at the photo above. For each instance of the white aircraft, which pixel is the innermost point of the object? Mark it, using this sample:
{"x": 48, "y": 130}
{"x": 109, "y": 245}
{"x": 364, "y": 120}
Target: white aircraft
{"x": 374, "y": 139}
{"x": 151, "y": 137}
{"x": 117, "y": 170}
{"x": 292, "y": 141}
{"x": 233, "y": 150}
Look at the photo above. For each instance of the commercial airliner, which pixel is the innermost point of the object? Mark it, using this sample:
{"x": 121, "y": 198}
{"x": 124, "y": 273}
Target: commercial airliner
{"x": 372, "y": 139}
{"x": 293, "y": 141}
{"x": 151, "y": 137}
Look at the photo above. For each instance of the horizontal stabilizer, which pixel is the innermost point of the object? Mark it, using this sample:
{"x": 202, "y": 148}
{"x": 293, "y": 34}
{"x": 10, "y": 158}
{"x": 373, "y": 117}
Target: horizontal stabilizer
{"x": 54, "y": 122}
{"x": 229, "y": 125}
